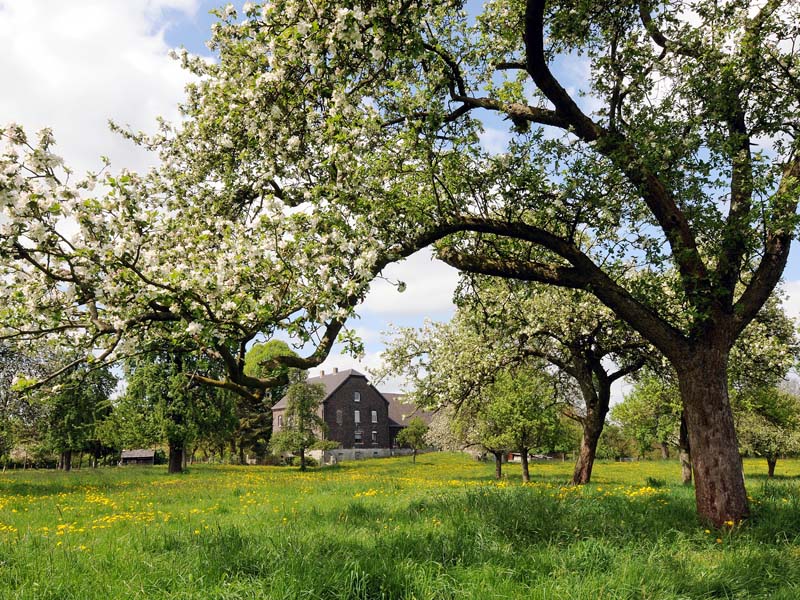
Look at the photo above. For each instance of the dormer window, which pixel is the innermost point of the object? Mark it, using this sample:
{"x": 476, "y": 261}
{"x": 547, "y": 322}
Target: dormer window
{"x": 356, "y": 396}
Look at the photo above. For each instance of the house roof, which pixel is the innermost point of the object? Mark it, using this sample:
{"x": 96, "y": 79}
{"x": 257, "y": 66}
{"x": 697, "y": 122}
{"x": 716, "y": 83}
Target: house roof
{"x": 141, "y": 453}
{"x": 331, "y": 381}
{"x": 400, "y": 413}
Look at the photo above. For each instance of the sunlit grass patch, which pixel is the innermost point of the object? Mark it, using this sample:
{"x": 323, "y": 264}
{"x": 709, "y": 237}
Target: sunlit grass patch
{"x": 384, "y": 528}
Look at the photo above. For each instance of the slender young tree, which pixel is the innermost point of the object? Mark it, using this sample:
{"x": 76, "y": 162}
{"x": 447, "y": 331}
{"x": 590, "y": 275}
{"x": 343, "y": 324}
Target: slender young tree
{"x": 303, "y": 426}
{"x": 768, "y": 422}
{"x": 413, "y": 436}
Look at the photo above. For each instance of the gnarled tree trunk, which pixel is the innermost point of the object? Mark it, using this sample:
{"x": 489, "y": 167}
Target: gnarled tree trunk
{"x": 596, "y": 392}
{"x": 719, "y": 485}
{"x": 175, "y": 464}
{"x": 591, "y": 435}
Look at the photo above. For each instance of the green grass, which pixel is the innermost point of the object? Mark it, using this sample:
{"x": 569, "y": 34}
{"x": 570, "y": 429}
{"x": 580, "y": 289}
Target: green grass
{"x": 388, "y": 529}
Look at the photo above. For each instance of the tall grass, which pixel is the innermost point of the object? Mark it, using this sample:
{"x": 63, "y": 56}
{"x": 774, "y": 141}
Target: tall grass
{"x": 442, "y": 528}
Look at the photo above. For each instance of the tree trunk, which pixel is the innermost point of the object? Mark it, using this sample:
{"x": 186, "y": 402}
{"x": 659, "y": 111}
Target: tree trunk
{"x": 595, "y": 387}
{"x": 66, "y": 460}
{"x": 664, "y": 450}
{"x": 302, "y": 459}
{"x": 717, "y": 466}
{"x": 241, "y": 455}
{"x": 498, "y": 465}
{"x": 175, "y": 463}
{"x": 523, "y": 454}
{"x": 80, "y": 460}
{"x": 771, "y": 462}
{"x": 684, "y": 454}
{"x": 414, "y": 456}
{"x": 591, "y": 435}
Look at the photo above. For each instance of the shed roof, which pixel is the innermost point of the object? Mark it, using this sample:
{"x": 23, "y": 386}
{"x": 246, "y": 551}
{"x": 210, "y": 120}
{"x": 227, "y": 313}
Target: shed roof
{"x": 140, "y": 453}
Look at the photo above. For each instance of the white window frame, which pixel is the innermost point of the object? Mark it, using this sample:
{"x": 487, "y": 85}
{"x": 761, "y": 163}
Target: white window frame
{"x": 374, "y": 416}
{"x": 357, "y": 417}
{"x": 374, "y": 437}
{"x": 339, "y": 416}
{"x": 356, "y": 396}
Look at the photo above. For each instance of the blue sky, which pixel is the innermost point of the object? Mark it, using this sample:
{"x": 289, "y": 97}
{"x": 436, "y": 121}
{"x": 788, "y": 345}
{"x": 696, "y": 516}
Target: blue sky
{"x": 74, "y": 64}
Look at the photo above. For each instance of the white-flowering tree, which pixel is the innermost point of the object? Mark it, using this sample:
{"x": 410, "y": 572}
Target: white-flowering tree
{"x": 101, "y": 266}
{"x": 570, "y": 330}
{"x": 677, "y": 151}
{"x": 768, "y": 422}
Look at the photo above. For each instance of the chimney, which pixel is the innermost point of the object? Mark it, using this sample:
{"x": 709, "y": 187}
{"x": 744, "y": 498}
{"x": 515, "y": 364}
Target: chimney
{"x": 321, "y": 373}
{"x": 335, "y": 369}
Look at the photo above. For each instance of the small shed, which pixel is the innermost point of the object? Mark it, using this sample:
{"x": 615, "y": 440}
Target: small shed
{"x": 137, "y": 457}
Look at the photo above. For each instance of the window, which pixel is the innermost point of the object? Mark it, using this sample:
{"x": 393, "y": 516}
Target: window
{"x": 358, "y": 436}
{"x": 356, "y": 396}
{"x": 357, "y": 416}
{"x": 374, "y": 437}
{"x": 280, "y": 421}
{"x": 374, "y": 416}
{"x": 339, "y": 417}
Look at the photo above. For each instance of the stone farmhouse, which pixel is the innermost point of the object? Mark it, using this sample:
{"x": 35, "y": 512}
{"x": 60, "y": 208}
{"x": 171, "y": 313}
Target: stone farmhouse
{"x": 363, "y": 420}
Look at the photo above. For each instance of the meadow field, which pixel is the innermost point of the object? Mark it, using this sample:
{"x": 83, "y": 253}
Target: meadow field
{"x": 387, "y": 528}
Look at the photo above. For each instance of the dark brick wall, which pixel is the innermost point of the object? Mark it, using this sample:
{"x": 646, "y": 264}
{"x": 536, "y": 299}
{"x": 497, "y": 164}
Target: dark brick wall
{"x": 342, "y": 399}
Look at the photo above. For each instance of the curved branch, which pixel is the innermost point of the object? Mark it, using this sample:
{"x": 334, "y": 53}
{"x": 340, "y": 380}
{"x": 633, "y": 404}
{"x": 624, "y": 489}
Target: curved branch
{"x": 582, "y": 274}
{"x": 659, "y": 38}
{"x": 587, "y": 129}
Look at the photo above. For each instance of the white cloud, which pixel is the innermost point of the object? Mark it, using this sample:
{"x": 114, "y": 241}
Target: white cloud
{"x": 74, "y": 65}
{"x": 495, "y": 140}
{"x": 429, "y": 289}
{"x": 791, "y": 303}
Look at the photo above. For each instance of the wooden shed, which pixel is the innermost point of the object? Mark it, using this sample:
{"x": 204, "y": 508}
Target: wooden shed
{"x": 137, "y": 457}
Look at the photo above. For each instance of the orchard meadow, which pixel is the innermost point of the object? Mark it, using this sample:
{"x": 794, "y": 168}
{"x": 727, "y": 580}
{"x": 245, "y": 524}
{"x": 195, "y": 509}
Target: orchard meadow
{"x": 387, "y": 528}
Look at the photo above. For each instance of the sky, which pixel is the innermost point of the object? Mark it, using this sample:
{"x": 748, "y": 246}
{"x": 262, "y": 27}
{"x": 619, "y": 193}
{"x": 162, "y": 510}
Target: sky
{"x": 73, "y": 65}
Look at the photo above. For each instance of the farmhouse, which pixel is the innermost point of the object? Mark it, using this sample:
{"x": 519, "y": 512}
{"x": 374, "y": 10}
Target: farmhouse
{"x": 363, "y": 420}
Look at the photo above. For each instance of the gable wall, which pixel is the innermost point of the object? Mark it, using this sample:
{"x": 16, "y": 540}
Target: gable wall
{"x": 344, "y": 433}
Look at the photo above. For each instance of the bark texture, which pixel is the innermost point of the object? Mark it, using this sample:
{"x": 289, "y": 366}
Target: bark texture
{"x": 684, "y": 454}
{"x": 583, "y": 467}
{"x": 717, "y": 467}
